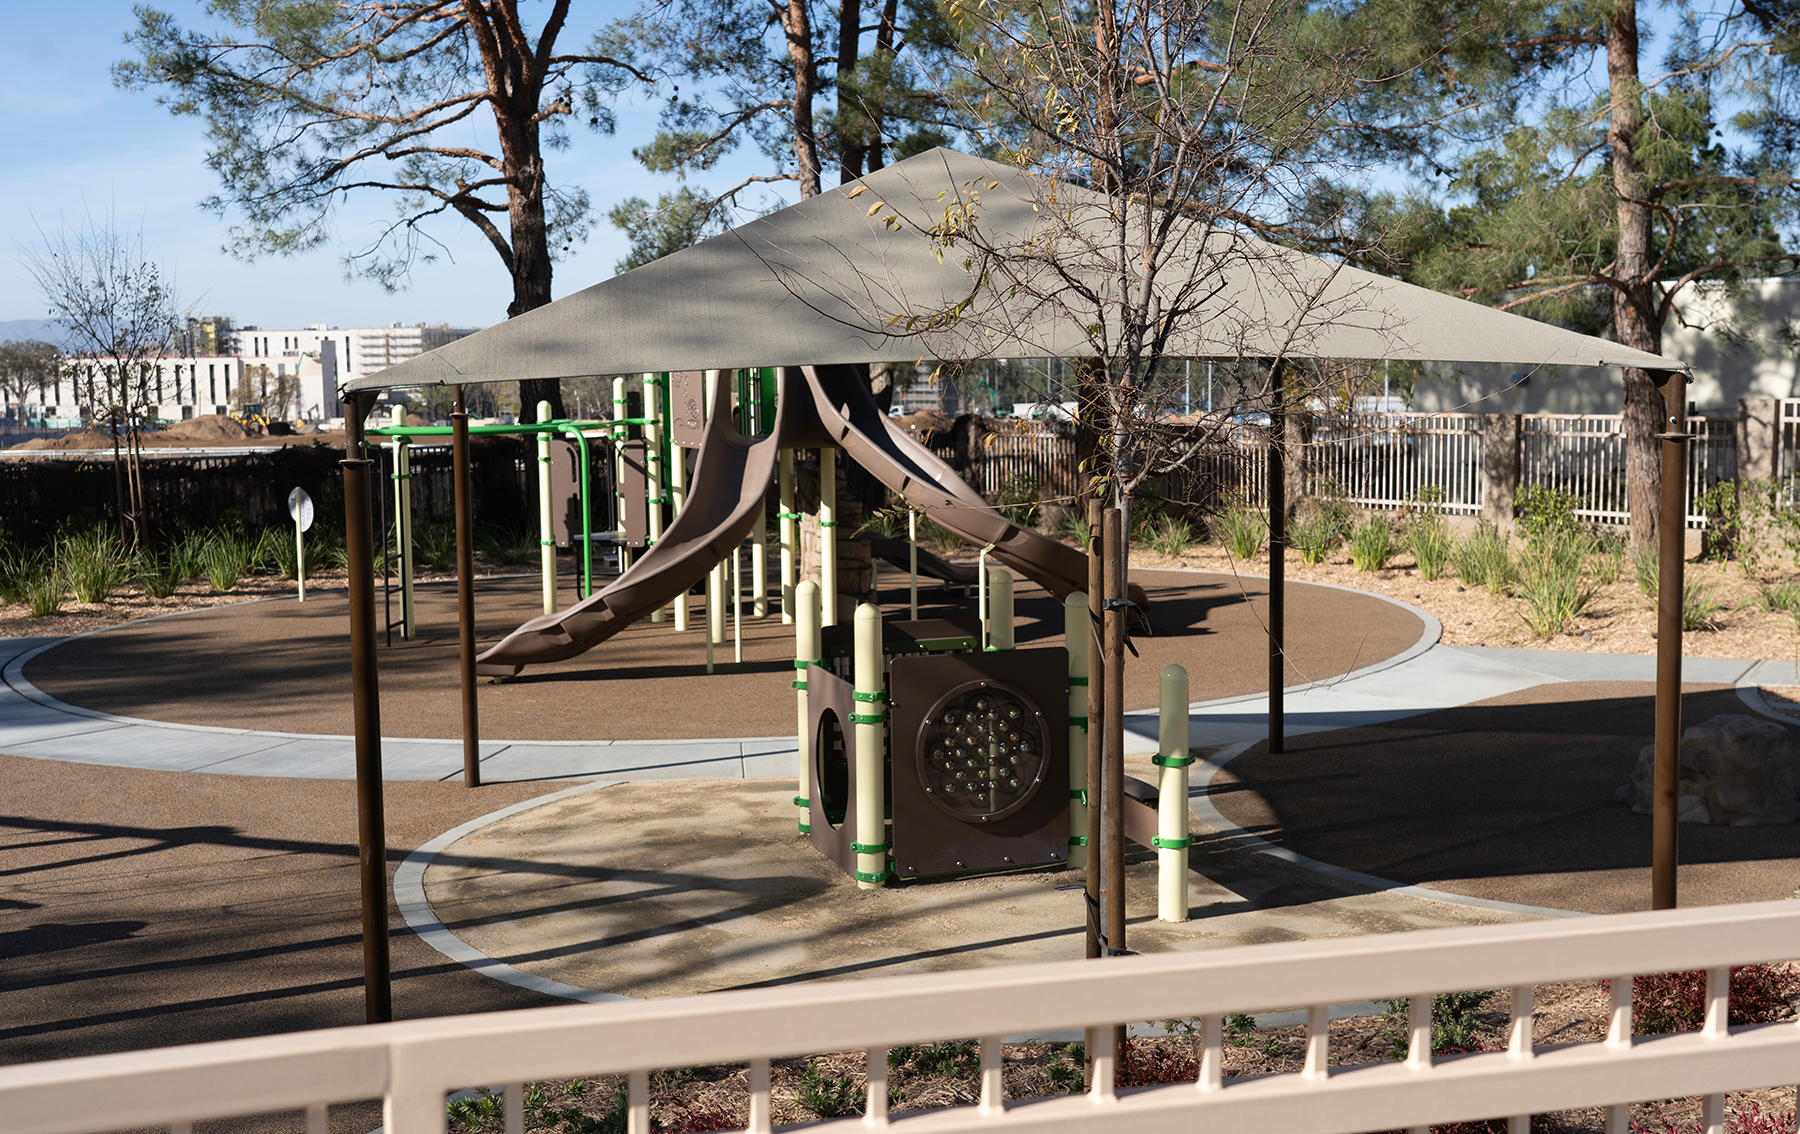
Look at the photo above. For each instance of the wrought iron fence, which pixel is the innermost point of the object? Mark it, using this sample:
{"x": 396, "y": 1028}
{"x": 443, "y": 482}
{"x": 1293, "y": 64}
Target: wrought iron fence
{"x": 1787, "y": 468}
{"x": 1584, "y": 455}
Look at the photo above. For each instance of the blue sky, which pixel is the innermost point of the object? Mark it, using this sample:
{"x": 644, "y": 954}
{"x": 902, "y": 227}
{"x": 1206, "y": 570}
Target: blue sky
{"x": 73, "y": 142}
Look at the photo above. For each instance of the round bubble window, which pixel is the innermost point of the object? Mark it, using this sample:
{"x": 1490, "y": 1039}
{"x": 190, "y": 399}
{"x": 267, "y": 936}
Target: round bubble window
{"x": 981, "y": 754}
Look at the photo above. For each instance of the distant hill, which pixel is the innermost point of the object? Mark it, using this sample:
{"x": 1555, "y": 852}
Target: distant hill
{"x": 11, "y": 330}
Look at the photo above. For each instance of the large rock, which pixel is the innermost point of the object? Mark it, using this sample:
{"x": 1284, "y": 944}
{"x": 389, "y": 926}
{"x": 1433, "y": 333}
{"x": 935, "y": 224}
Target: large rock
{"x": 1735, "y": 769}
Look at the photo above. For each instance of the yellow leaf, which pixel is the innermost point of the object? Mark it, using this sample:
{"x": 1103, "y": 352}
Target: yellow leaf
{"x": 856, "y": 192}
{"x": 875, "y": 208}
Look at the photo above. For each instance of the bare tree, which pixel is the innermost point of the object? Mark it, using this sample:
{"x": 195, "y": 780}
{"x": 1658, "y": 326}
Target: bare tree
{"x": 27, "y": 367}
{"x": 119, "y": 313}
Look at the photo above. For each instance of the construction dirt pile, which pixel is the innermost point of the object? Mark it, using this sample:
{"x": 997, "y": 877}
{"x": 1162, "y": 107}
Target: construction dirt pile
{"x": 212, "y": 427}
{"x": 86, "y": 439}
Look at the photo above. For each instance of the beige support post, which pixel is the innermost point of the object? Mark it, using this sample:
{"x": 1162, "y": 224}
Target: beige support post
{"x": 678, "y": 494}
{"x": 621, "y": 411}
{"x": 790, "y": 535}
{"x": 299, "y": 559}
{"x": 869, "y": 715}
{"x": 715, "y": 578}
{"x": 1172, "y": 837}
{"x": 828, "y": 588}
{"x": 546, "y": 544}
{"x": 737, "y": 604}
{"x": 912, "y": 553}
{"x": 1075, "y": 638}
{"x": 807, "y": 649}
{"x": 759, "y": 564}
{"x": 1001, "y": 637}
{"x": 654, "y": 478}
{"x": 981, "y": 592}
{"x": 403, "y": 528}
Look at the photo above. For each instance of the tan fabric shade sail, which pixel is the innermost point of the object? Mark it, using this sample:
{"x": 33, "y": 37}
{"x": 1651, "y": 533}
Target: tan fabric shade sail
{"x": 835, "y": 280}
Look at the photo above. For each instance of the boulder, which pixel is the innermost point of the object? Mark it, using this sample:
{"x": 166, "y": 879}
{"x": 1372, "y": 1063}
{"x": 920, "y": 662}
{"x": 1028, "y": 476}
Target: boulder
{"x": 1735, "y": 769}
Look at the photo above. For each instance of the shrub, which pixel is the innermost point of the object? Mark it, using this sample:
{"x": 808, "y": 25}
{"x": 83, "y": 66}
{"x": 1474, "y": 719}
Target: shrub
{"x": 1371, "y": 543}
{"x": 1144, "y": 1063}
{"x": 1018, "y": 500}
{"x": 1483, "y": 559}
{"x": 18, "y": 567}
{"x": 94, "y": 564}
{"x": 1646, "y": 569}
{"x": 1676, "y": 1002}
{"x": 1453, "y": 1023}
{"x": 435, "y": 544}
{"x": 1554, "y": 588}
{"x": 1242, "y": 530}
{"x": 158, "y": 573}
{"x": 1172, "y": 537}
{"x": 1315, "y": 536}
{"x": 1699, "y": 602}
{"x": 45, "y": 590}
{"x": 1430, "y": 541}
{"x": 228, "y": 555}
{"x": 828, "y": 1096}
{"x": 1547, "y": 515}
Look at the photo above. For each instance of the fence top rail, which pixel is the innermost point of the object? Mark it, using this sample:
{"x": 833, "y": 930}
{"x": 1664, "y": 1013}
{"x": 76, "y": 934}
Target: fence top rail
{"x": 449, "y": 1053}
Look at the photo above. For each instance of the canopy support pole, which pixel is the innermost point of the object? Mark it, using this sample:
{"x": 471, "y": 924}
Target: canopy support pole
{"x": 465, "y": 588}
{"x": 1671, "y": 583}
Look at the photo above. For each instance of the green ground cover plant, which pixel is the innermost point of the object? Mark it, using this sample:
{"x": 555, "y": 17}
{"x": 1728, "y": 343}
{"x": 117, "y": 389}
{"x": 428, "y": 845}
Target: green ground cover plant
{"x": 1483, "y": 559}
{"x": 1315, "y": 536}
{"x": 1242, "y": 530}
{"x": 93, "y": 564}
{"x": 1371, "y": 543}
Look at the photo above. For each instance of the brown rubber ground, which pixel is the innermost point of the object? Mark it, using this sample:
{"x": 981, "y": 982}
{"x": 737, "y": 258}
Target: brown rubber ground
{"x": 1510, "y": 799}
{"x": 284, "y": 666}
{"x": 145, "y": 909}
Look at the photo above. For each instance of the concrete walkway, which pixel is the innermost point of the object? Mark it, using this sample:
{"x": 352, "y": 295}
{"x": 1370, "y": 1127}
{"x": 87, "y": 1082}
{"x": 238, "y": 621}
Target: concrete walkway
{"x": 1424, "y": 678}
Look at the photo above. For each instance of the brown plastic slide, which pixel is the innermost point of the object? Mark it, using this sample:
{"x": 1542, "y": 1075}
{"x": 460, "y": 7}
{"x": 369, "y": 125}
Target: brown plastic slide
{"x": 827, "y": 405}
{"x": 731, "y": 479}
{"x": 899, "y": 553}
{"x": 916, "y": 475}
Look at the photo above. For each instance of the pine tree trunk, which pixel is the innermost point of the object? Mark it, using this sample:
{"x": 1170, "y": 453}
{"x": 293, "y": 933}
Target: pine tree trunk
{"x": 1634, "y": 300}
{"x": 853, "y": 150}
{"x": 797, "y": 25}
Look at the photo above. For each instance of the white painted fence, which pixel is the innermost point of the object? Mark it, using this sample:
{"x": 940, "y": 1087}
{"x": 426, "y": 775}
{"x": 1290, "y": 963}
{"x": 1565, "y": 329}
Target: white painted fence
{"x": 1584, "y": 455}
{"x": 1386, "y": 460}
{"x": 413, "y": 1064}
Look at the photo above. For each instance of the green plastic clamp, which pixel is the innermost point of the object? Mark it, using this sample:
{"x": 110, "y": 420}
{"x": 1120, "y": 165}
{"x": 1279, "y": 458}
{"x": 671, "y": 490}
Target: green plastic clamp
{"x": 870, "y": 848}
{"x": 789, "y": 516}
{"x": 1182, "y": 843}
{"x": 1078, "y": 681}
{"x": 878, "y": 695}
{"x": 802, "y": 801}
{"x": 805, "y": 828}
{"x": 804, "y": 664}
{"x": 796, "y": 685}
{"x": 1079, "y": 795}
{"x": 1078, "y": 722}
{"x": 1078, "y": 840}
{"x": 828, "y": 523}
{"x": 868, "y": 718}
{"x": 878, "y": 876}
{"x": 1173, "y": 761}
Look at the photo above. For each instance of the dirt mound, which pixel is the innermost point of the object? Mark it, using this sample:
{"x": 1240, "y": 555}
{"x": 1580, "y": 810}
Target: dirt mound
{"x": 86, "y": 439}
{"x": 211, "y": 427}
{"x": 926, "y": 421}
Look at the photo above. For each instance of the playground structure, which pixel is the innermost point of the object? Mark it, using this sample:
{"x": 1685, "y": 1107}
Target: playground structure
{"x": 827, "y": 408}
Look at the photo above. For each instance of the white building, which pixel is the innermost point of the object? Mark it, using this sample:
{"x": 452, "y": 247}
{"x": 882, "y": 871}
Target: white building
{"x": 357, "y": 351}
{"x": 180, "y": 387}
{"x": 1761, "y": 363}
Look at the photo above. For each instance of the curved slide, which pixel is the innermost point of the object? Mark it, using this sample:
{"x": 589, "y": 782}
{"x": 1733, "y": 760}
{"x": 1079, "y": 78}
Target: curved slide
{"x": 918, "y": 476}
{"x": 899, "y": 553}
{"x": 731, "y": 480}
{"x": 825, "y": 405}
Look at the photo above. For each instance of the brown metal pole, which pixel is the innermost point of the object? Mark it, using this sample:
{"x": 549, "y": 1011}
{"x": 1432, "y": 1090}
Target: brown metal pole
{"x": 1671, "y": 530}
{"x": 1096, "y": 736}
{"x": 371, "y": 821}
{"x": 465, "y": 589}
{"x": 1113, "y": 790}
{"x": 1277, "y": 565}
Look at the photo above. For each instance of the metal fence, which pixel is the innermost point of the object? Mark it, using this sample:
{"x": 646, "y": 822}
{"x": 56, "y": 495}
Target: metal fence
{"x": 412, "y": 1065}
{"x": 1386, "y": 460}
{"x": 1584, "y": 455}
{"x": 1787, "y": 468}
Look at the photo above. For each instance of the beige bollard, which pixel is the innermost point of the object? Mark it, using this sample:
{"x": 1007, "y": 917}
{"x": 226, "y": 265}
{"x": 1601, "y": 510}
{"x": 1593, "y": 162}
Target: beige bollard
{"x": 1172, "y": 837}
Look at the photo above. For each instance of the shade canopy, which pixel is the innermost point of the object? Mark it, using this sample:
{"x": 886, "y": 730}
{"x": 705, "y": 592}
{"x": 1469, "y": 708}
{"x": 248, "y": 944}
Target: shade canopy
{"x": 854, "y": 276}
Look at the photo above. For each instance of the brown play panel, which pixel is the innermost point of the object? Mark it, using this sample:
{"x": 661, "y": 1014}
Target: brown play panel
{"x": 282, "y": 665}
